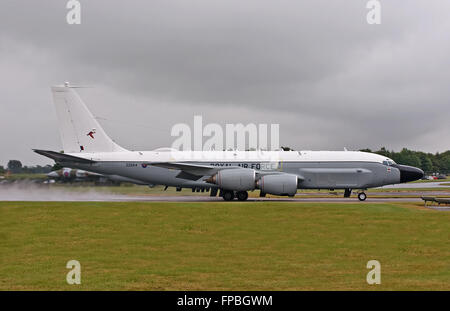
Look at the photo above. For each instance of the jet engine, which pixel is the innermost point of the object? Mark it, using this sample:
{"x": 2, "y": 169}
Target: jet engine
{"x": 279, "y": 184}
{"x": 240, "y": 179}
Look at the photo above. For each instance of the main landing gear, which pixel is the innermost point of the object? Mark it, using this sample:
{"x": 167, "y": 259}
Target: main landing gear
{"x": 229, "y": 195}
{"x": 347, "y": 193}
{"x": 242, "y": 195}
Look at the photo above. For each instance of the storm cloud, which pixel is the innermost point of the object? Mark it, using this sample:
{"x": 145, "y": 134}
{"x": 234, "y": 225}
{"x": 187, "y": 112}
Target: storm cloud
{"x": 315, "y": 67}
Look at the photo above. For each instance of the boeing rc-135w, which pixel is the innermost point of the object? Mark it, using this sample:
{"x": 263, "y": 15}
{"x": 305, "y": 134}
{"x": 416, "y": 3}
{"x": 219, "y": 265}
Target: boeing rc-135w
{"x": 231, "y": 173}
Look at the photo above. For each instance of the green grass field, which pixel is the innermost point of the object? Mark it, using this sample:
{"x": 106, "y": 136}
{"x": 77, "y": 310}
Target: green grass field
{"x": 223, "y": 246}
{"x": 23, "y": 176}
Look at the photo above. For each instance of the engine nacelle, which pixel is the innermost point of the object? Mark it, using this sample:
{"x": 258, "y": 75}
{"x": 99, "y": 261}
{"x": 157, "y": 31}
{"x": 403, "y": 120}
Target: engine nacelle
{"x": 278, "y": 184}
{"x": 239, "y": 179}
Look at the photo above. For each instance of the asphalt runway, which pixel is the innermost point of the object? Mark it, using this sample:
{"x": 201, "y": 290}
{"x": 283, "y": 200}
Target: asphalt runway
{"x": 192, "y": 198}
{"x": 42, "y": 194}
{"x": 98, "y": 197}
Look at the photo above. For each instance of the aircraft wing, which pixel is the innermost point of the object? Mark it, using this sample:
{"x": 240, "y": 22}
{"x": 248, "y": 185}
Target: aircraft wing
{"x": 196, "y": 171}
{"x": 192, "y": 171}
{"x": 61, "y": 157}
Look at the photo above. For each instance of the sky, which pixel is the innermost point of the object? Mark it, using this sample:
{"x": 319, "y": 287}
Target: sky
{"x": 316, "y": 67}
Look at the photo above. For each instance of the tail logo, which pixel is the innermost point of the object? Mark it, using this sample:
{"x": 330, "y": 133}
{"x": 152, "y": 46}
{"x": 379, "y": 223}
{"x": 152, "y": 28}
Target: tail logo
{"x": 91, "y": 134}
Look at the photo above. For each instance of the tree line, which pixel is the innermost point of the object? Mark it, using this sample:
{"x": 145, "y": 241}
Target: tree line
{"x": 16, "y": 167}
{"x": 428, "y": 162}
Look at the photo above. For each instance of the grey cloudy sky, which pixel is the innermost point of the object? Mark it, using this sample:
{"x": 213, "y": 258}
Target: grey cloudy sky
{"x": 315, "y": 67}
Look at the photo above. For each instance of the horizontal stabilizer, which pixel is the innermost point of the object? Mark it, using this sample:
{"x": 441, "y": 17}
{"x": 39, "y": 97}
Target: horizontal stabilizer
{"x": 61, "y": 157}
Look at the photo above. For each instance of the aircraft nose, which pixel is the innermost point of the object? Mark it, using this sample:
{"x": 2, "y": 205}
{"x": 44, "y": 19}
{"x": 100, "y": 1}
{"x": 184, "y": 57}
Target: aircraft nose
{"x": 409, "y": 173}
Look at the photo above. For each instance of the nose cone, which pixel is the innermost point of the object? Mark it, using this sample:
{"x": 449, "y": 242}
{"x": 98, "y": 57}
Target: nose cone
{"x": 409, "y": 173}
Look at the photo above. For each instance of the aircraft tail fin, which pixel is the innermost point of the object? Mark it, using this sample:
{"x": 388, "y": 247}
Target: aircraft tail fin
{"x": 80, "y": 131}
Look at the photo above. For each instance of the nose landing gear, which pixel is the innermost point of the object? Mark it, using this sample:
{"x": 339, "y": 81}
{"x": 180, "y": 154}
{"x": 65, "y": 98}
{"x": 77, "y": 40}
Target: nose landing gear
{"x": 362, "y": 196}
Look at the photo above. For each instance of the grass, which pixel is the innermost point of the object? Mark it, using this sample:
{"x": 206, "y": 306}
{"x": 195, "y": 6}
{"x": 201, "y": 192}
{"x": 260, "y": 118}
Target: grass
{"x": 223, "y": 246}
{"x": 25, "y": 176}
{"x": 126, "y": 189}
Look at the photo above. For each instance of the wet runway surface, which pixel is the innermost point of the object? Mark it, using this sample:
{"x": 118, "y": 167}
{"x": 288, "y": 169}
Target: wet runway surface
{"x": 43, "y": 194}
{"x": 218, "y": 199}
{"x": 98, "y": 197}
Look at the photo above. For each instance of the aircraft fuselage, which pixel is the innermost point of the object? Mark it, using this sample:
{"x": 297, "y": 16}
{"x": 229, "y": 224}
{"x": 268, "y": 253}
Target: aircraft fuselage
{"x": 317, "y": 169}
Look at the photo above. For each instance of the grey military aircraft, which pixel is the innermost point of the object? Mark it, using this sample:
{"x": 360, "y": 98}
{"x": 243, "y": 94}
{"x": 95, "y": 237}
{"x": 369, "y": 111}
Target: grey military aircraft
{"x": 230, "y": 173}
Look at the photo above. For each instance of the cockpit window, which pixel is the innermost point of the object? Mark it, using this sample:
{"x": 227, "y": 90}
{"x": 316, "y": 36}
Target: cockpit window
{"x": 388, "y": 162}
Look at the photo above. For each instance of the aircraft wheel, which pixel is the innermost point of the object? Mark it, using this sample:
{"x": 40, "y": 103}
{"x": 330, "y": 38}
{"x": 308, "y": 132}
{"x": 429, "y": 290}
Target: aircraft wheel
{"x": 228, "y": 195}
{"x": 362, "y": 196}
{"x": 242, "y": 195}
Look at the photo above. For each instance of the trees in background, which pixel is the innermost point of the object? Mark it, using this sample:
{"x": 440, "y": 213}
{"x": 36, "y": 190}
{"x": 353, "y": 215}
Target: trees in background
{"x": 38, "y": 169}
{"x": 428, "y": 162}
{"x": 14, "y": 166}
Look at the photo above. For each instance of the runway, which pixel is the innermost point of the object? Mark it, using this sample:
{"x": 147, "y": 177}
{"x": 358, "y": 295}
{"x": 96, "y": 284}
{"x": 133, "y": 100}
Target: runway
{"x": 193, "y": 198}
{"x": 99, "y": 197}
{"x": 43, "y": 194}
{"x": 51, "y": 196}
